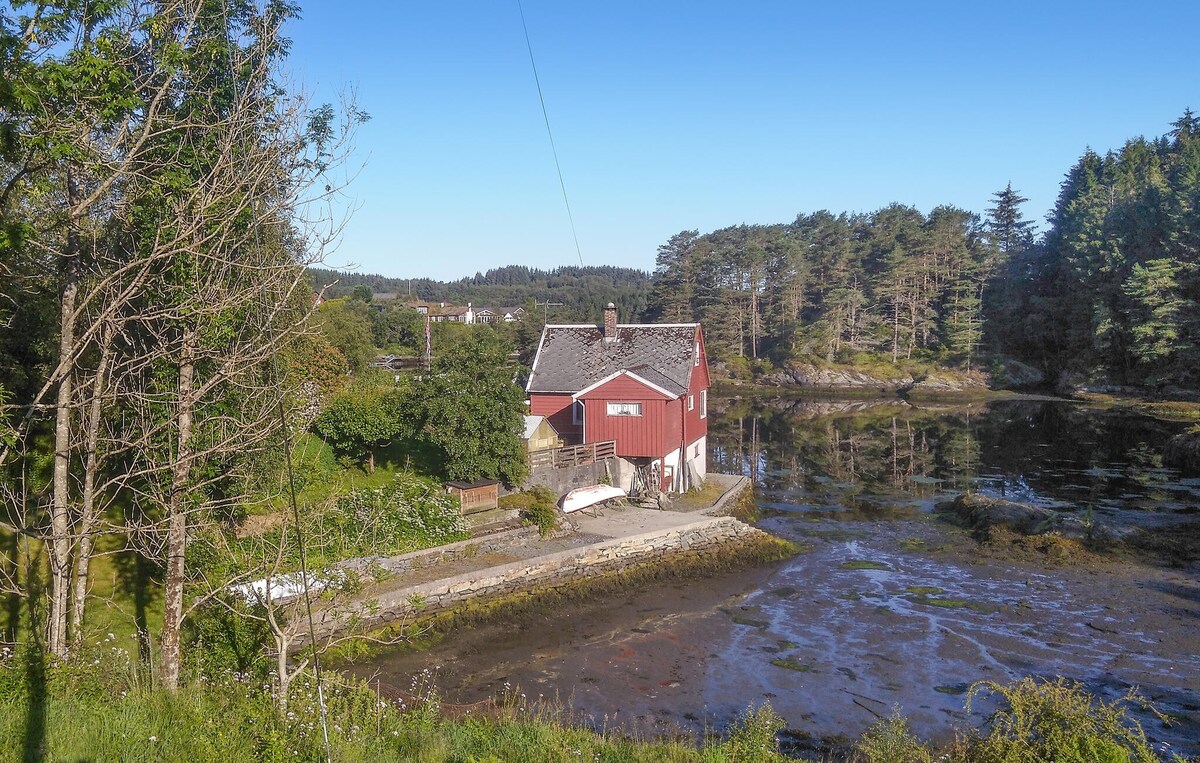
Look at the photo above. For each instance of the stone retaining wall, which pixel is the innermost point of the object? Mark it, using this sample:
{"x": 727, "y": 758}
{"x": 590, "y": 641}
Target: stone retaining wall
{"x": 735, "y": 486}
{"x": 562, "y": 480}
{"x": 551, "y": 571}
{"x": 451, "y": 552}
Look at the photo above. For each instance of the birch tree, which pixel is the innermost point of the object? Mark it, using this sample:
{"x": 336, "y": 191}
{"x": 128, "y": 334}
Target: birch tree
{"x": 183, "y": 189}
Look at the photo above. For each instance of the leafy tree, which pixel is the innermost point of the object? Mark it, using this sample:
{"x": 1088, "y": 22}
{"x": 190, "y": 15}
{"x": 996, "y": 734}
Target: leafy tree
{"x": 361, "y": 419}
{"x": 397, "y": 328}
{"x": 471, "y": 411}
{"x": 161, "y": 174}
{"x": 346, "y": 324}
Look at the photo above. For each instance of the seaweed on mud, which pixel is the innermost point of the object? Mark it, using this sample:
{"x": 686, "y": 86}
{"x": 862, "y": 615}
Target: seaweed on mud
{"x": 944, "y": 603}
{"x": 864, "y": 564}
{"x": 790, "y": 664}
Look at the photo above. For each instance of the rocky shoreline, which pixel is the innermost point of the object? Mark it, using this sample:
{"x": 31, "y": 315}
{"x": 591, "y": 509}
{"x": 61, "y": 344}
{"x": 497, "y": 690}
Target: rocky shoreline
{"x": 891, "y": 380}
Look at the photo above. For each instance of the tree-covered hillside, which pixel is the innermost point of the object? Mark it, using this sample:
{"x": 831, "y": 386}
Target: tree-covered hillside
{"x": 583, "y": 290}
{"x": 896, "y": 282}
{"x": 1110, "y": 291}
{"x": 1113, "y": 290}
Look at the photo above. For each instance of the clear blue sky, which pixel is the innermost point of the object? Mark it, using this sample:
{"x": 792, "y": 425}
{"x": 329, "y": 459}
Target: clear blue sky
{"x": 699, "y": 114}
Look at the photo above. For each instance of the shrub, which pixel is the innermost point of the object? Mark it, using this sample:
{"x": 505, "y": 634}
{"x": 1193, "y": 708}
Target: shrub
{"x": 409, "y": 513}
{"x": 753, "y": 737}
{"x": 890, "y": 740}
{"x": 538, "y": 507}
{"x": 738, "y": 367}
{"x": 1042, "y": 720}
{"x": 545, "y": 517}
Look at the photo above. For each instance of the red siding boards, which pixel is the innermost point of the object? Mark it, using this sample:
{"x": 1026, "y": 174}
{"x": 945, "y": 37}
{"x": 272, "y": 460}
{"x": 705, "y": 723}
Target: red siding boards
{"x": 665, "y": 424}
{"x": 623, "y": 387}
{"x": 557, "y": 410}
{"x": 648, "y": 435}
{"x": 694, "y": 426}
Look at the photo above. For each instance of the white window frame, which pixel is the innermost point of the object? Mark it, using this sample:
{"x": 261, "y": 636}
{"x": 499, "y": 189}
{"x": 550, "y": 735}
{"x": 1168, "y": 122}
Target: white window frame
{"x": 697, "y": 363}
{"x": 577, "y": 412}
{"x": 691, "y": 402}
{"x": 703, "y": 403}
{"x": 624, "y": 409}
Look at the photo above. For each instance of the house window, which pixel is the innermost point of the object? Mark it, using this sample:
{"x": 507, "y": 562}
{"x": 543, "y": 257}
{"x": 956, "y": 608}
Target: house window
{"x": 697, "y": 354}
{"x": 624, "y": 409}
{"x": 691, "y": 402}
{"x": 703, "y": 403}
{"x": 577, "y": 412}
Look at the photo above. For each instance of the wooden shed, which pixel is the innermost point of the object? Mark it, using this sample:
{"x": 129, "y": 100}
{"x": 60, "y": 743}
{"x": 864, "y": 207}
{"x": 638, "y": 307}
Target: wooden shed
{"x": 540, "y": 434}
{"x": 475, "y": 497}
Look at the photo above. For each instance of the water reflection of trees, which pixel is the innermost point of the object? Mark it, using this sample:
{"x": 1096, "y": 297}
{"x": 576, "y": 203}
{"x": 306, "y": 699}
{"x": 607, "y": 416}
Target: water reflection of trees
{"x": 834, "y": 451}
{"x": 852, "y": 446}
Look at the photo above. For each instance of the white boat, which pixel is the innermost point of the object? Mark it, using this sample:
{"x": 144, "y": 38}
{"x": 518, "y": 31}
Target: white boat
{"x": 582, "y": 498}
{"x": 281, "y": 589}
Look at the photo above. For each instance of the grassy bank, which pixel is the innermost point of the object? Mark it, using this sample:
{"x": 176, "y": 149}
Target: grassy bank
{"x": 74, "y": 712}
{"x": 100, "y": 709}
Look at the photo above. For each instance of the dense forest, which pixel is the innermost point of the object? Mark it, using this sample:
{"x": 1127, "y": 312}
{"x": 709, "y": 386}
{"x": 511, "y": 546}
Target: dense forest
{"x": 583, "y": 291}
{"x": 895, "y": 282}
{"x": 1113, "y": 288}
{"x": 1109, "y": 292}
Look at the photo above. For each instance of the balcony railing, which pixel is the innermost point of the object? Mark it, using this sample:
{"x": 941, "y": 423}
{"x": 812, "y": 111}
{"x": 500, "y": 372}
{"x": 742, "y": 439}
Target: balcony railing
{"x": 574, "y": 455}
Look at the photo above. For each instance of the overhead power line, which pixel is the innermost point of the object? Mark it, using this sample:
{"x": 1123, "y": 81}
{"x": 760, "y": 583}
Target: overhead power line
{"x": 554, "y": 150}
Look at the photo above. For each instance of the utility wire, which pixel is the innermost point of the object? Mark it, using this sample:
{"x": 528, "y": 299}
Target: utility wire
{"x": 312, "y": 631}
{"x": 550, "y": 133}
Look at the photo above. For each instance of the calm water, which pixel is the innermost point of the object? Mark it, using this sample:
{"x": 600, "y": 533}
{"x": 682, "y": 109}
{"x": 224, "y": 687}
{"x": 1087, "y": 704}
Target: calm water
{"x": 887, "y": 607}
{"x": 873, "y": 455}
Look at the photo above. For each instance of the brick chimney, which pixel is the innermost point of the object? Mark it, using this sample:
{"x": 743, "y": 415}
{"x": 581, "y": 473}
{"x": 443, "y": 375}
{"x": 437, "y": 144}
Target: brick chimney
{"x": 610, "y": 321}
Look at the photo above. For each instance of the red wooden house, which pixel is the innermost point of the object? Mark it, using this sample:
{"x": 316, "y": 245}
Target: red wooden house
{"x": 644, "y": 386}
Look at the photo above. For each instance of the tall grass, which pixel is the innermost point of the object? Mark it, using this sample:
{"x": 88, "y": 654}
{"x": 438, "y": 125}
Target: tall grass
{"x": 101, "y": 707}
{"x": 89, "y": 710}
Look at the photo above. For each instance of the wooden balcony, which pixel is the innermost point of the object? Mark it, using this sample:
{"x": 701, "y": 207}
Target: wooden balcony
{"x": 573, "y": 455}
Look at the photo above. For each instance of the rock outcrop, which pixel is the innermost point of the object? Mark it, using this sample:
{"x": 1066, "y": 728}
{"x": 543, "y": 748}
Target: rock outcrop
{"x": 1013, "y": 374}
{"x": 982, "y": 514}
{"x": 1183, "y": 452}
{"x": 810, "y": 376}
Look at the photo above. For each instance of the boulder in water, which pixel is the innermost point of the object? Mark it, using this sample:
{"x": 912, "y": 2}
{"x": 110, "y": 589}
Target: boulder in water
{"x": 1183, "y": 451}
{"x": 982, "y": 514}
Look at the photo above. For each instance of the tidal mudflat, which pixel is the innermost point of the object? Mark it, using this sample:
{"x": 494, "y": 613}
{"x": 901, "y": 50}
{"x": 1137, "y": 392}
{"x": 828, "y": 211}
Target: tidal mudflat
{"x": 888, "y": 606}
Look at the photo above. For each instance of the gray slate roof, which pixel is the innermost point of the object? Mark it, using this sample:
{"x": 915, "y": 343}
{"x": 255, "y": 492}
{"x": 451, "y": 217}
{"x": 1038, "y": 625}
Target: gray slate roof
{"x": 571, "y": 358}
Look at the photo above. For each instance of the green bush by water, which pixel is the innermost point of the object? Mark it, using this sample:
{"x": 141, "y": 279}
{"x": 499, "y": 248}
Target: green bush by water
{"x": 537, "y": 506}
